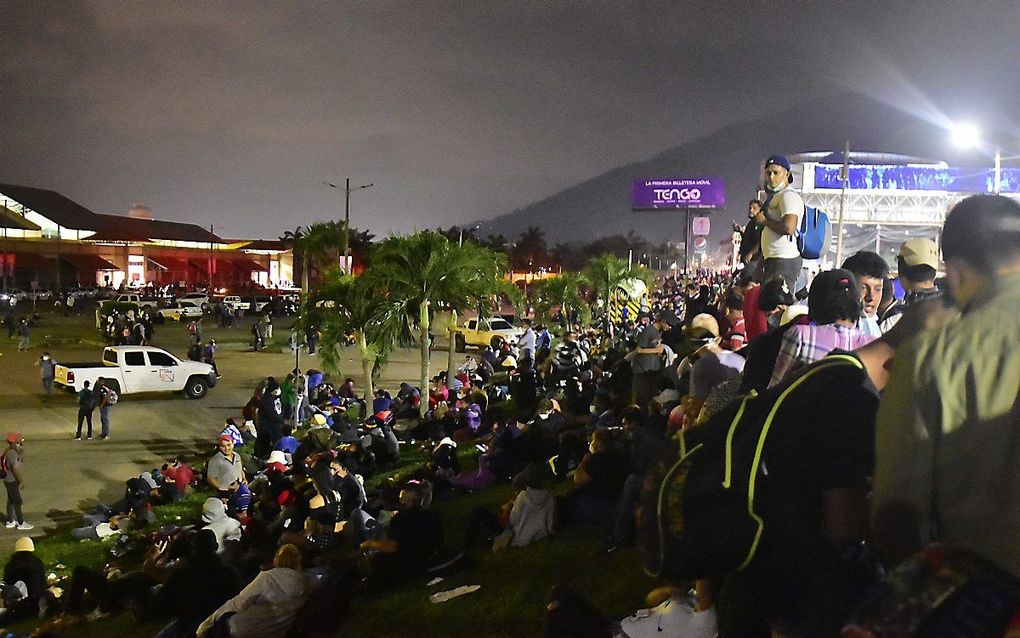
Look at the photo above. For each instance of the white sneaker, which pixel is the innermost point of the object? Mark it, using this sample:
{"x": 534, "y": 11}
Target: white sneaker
{"x": 26, "y": 526}
{"x": 11, "y": 524}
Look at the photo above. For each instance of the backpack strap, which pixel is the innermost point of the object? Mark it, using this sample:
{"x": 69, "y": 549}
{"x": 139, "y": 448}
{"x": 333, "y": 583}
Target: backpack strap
{"x": 829, "y": 362}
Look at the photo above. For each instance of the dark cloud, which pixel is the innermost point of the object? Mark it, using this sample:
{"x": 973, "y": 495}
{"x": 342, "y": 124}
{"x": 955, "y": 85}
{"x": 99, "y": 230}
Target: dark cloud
{"x": 233, "y": 113}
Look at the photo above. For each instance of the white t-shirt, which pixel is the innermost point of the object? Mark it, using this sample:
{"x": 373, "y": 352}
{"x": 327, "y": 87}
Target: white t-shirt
{"x": 773, "y": 245}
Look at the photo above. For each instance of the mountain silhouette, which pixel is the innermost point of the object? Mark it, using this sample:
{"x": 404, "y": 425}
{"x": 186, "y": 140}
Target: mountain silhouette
{"x": 601, "y": 206}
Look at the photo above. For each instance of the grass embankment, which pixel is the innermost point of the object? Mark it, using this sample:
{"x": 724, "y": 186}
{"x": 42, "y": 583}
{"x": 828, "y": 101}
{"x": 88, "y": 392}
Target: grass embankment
{"x": 514, "y": 584}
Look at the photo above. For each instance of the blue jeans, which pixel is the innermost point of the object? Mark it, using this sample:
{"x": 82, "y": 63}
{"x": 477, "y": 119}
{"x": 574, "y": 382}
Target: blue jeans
{"x": 104, "y": 419}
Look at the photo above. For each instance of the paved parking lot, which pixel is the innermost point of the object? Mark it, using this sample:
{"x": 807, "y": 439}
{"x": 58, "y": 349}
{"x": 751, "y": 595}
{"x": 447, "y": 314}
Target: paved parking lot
{"x": 63, "y": 476}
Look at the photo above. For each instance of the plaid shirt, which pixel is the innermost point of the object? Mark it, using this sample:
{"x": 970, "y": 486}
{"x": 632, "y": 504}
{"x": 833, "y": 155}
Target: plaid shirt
{"x": 809, "y": 343}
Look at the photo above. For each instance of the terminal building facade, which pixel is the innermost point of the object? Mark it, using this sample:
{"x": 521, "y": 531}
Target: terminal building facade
{"x": 48, "y": 241}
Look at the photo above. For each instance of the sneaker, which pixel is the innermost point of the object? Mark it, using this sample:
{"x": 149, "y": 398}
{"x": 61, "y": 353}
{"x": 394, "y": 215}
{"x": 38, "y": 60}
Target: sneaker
{"x": 77, "y": 438}
{"x": 104, "y": 437}
{"x": 26, "y": 526}
{"x": 11, "y": 524}
{"x": 89, "y": 437}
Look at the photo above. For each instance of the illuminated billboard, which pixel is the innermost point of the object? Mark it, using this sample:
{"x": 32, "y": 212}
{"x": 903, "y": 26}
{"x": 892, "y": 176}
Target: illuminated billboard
{"x": 701, "y": 192}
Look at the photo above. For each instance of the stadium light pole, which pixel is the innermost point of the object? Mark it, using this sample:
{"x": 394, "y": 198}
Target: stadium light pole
{"x": 967, "y": 135}
{"x": 844, "y": 177}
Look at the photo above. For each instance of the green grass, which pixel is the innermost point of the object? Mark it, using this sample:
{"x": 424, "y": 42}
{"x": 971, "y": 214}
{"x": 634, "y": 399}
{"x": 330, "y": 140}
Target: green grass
{"x": 514, "y": 584}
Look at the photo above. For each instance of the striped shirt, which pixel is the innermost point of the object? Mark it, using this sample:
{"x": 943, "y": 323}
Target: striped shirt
{"x": 809, "y": 343}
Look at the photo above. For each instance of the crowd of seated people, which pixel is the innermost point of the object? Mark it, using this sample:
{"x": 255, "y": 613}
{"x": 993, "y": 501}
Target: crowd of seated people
{"x": 578, "y": 427}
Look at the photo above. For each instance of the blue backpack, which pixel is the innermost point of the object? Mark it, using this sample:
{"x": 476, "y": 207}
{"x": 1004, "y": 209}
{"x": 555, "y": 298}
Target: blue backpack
{"x": 814, "y": 234}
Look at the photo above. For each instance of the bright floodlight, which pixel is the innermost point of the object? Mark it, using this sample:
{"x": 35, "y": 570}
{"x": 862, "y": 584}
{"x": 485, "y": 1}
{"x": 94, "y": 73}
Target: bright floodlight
{"x": 966, "y": 135}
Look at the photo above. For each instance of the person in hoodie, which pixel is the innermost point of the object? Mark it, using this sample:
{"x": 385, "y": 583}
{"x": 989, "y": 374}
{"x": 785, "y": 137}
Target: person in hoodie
{"x": 268, "y": 606}
{"x": 534, "y": 511}
{"x": 226, "y": 529}
{"x": 270, "y": 419}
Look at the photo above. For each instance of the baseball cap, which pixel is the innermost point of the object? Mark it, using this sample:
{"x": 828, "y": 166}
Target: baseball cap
{"x": 24, "y": 544}
{"x": 778, "y": 160}
{"x": 704, "y": 323}
{"x": 319, "y": 419}
{"x": 225, "y": 437}
{"x": 920, "y": 252}
{"x": 13, "y": 437}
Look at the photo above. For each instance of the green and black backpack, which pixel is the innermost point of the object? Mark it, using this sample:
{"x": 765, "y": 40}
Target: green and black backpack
{"x": 699, "y": 516}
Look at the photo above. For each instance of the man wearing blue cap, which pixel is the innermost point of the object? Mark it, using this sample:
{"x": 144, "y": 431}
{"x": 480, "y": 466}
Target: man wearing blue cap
{"x": 780, "y": 217}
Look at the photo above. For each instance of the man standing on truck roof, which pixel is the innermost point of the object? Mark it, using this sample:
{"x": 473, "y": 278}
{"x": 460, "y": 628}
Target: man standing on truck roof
{"x": 86, "y": 405}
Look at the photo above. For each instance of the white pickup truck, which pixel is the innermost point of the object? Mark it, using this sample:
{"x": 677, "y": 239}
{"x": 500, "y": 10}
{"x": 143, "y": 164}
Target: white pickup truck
{"x": 485, "y": 332}
{"x": 146, "y": 304}
{"x": 133, "y": 369}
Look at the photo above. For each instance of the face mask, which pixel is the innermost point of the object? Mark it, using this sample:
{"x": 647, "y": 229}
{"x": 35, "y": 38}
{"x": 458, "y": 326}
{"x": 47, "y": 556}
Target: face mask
{"x": 543, "y": 415}
{"x": 592, "y": 409}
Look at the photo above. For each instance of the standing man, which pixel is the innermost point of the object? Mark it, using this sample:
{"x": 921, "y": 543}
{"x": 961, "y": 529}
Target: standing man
{"x": 86, "y": 405}
{"x": 526, "y": 346}
{"x": 209, "y": 356}
{"x": 543, "y": 343}
{"x": 948, "y": 434}
{"x": 23, "y": 335}
{"x": 258, "y": 341}
{"x": 870, "y": 270}
{"x": 14, "y": 481}
{"x": 270, "y": 419}
{"x": 750, "y": 237}
{"x": 312, "y": 339}
{"x": 47, "y": 370}
{"x": 646, "y": 361}
{"x": 783, "y": 210}
{"x": 106, "y": 398}
{"x": 917, "y": 265}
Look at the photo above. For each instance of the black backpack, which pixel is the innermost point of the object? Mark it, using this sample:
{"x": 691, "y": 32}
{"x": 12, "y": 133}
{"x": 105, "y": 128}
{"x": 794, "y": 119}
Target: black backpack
{"x": 699, "y": 516}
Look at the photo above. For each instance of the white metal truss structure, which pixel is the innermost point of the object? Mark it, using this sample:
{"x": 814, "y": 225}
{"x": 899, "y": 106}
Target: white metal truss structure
{"x": 878, "y": 206}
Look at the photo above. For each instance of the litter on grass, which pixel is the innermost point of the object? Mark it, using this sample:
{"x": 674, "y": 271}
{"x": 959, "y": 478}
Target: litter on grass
{"x": 443, "y": 596}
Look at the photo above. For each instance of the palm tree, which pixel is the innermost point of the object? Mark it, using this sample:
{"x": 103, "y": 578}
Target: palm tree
{"x": 320, "y": 245}
{"x": 531, "y": 248}
{"x": 294, "y": 238}
{"x": 343, "y": 304}
{"x": 605, "y": 273}
{"x": 418, "y": 273}
{"x": 564, "y": 290}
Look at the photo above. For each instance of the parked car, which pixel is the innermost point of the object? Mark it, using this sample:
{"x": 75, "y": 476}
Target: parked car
{"x": 39, "y": 295}
{"x": 17, "y": 294}
{"x": 180, "y": 310}
{"x": 234, "y": 302}
{"x": 200, "y": 298}
{"x": 134, "y": 369}
{"x": 485, "y": 332}
{"x": 146, "y": 304}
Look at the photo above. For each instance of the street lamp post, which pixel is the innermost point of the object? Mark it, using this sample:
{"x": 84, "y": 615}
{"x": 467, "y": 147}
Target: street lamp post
{"x": 345, "y": 241}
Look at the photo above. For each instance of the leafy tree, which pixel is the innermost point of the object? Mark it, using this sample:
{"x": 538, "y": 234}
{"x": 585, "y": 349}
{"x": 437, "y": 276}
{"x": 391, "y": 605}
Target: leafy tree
{"x": 564, "y": 290}
{"x": 497, "y": 243}
{"x": 416, "y": 274}
{"x": 344, "y": 305}
{"x": 531, "y": 248}
{"x": 606, "y": 272}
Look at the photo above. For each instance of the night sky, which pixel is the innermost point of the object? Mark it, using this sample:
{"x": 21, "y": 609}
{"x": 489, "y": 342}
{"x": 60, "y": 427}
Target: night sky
{"x": 233, "y": 114}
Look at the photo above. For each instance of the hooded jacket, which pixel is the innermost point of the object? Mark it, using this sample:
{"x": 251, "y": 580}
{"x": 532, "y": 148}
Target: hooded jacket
{"x": 214, "y": 515}
{"x": 267, "y": 607}
{"x": 532, "y": 516}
